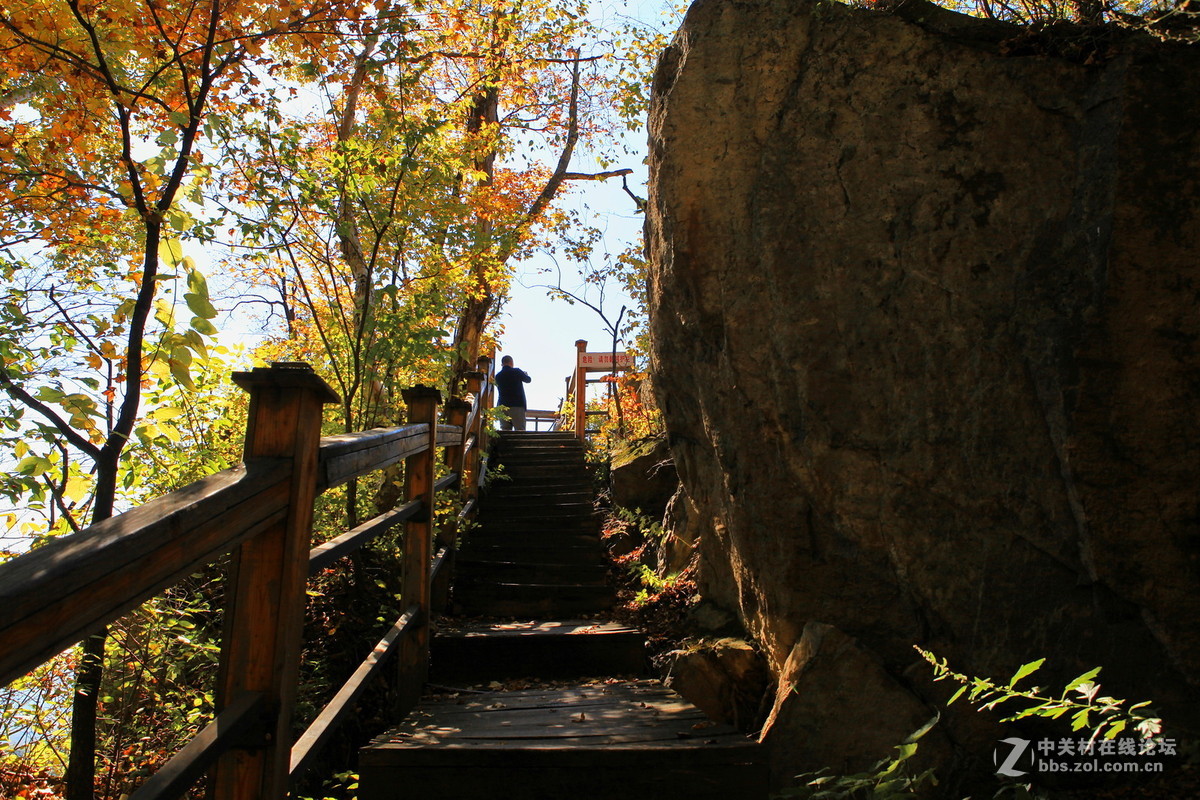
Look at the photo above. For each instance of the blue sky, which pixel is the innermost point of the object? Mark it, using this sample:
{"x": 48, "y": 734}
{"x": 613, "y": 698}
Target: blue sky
{"x": 540, "y": 332}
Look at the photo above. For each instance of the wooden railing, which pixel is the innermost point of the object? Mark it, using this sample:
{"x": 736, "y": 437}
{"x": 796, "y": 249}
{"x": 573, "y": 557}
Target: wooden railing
{"x": 572, "y": 412}
{"x": 260, "y": 512}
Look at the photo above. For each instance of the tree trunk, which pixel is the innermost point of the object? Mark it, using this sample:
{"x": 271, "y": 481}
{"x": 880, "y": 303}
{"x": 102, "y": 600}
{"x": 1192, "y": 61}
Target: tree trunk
{"x": 483, "y": 115}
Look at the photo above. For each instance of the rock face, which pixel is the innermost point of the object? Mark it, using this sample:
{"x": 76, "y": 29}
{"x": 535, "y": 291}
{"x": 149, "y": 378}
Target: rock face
{"x": 925, "y": 321}
{"x": 644, "y": 478}
{"x": 726, "y": 678}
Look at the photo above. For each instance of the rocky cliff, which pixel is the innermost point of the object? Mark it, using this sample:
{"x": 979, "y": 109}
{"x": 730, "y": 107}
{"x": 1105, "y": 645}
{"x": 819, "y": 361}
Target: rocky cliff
{"x": 925, "y": 310}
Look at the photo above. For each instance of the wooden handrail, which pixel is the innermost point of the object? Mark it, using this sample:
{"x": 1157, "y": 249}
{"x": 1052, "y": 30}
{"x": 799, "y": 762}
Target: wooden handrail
{"x": 242, "y": 717}
{"x": 53, "y": 596}
{"x": 335, "y": 711}
{"x": 323, "y": 555}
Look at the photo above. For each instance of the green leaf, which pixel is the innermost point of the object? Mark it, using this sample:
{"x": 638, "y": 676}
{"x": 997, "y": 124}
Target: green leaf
{"x": 167, "y": 412}
{"x": 49, "y": 394}
{"x": 200, "y": 305}
{"x": 1082, "y": 679}
{"x": 197, "y": 283}
{"x": 34, "y": 466}
{"x": 195, "y": 341}
{"x": 170, "y": 251}
{"x": 182, "y": 374}
{"x": 1025, "y": 670}
{"x": 921, "y": 731}
{"x": 201, "y": 325}
{"x": 170, "y": 431}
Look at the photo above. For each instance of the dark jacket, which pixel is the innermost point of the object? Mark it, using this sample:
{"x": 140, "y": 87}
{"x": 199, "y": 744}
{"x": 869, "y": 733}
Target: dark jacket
{"x": 508, "y": 385}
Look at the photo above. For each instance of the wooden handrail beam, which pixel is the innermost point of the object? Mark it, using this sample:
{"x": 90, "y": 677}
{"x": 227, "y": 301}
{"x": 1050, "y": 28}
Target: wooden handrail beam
{"x": 262, "y": 513}
{"x": 51, "y": 597}
{"x": 244, "y": 716}
{"x": 350, "y": 455}
{"x": 445, "y": 482}
{"x": 449, "y": 436}
{"x": 325, "y": 554}
{"x": 343, "y": 702}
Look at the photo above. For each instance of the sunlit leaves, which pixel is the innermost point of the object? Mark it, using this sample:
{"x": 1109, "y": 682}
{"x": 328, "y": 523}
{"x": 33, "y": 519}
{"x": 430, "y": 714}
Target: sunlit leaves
{"x": 1080, "y": 701}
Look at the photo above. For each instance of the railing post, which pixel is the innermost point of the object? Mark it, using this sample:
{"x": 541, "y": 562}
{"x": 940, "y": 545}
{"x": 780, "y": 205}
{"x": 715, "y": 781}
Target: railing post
{"x": 422, "y": 402}
{"x": 456, "y": 414}
{"x": 580, "y": 391}
{"x": 457, "y": 410}
{"x": 265, "y": 601}
{"x": 483, "y": 365}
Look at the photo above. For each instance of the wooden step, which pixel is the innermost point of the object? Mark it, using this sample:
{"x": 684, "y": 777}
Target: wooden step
{"x": 564, "y": 532}
{"x": 537, "y": 439}
{"x": 550, "y": 504}
{"x": 547, "y": 527}
{"x": 632, "y": 739}
{"x": 542, "y": 475}
{"x": 537, "y": 649}
{"x": 581, "y": 490}
{"x": 476, "y": 569}
{"x": 589, "y": 555}
{"x": 575, "y": 512}
{"x": 540, "y": 600}
{"x": 537, "y": 488}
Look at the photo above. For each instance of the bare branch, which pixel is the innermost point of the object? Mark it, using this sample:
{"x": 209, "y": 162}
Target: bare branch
{"x": 596, "y": 176}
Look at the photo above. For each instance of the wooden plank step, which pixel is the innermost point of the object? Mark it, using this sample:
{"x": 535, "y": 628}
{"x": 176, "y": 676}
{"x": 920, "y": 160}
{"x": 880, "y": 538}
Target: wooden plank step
{"x": 549, "y": 455}
{"x": 536, "y": 649}
{"x": 542, "y": 514}
{"x": 521, "y": 570}
{"x": 546, "y": 527}
{"x": 550, "y": 505}
{"x": 543, "y": 476}
{"x": 583, "y": 490}
{"x": 514, "y": 437}
{"x": 616, "y": 740}
{"x": 544, "y": 600}
{"x": 533, "y": 463}
{"x": 518, "y": 540}
{"x": 583, "y": 556}
{"x": 523, "y": 534}
{"x": 580, "y": 489}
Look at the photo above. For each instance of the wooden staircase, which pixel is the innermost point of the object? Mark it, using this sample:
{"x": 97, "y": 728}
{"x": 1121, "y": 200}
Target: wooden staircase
{"x": 530, "y": 598}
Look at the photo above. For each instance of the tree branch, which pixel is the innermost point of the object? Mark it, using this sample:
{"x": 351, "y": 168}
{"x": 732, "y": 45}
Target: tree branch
{"x": 78, "y": 440}
{"x": 596, "y": 176}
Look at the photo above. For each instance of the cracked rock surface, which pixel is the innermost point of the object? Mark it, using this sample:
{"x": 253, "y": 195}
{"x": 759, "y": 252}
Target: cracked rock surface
{"x": 925, "y": 320}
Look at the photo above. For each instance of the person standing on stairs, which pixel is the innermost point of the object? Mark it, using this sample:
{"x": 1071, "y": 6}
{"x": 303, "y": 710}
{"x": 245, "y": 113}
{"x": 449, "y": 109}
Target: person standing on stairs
{"x": 511, "y": 392}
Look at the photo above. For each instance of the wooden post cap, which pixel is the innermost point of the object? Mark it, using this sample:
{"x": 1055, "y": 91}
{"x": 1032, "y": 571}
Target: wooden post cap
{"x": 457, "y": 404}
{"x": 287, "y": 374}
{"x": 483, "y": 362}
{"x": 420, "y": 392}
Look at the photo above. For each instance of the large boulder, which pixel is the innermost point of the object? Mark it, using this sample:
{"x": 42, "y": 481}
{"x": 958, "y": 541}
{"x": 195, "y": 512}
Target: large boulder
{"x": 925, "y": 318}
{"x": 838, "y": 706}
{"x": 643, "y": 477}
{"x": 725, "y": 678}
